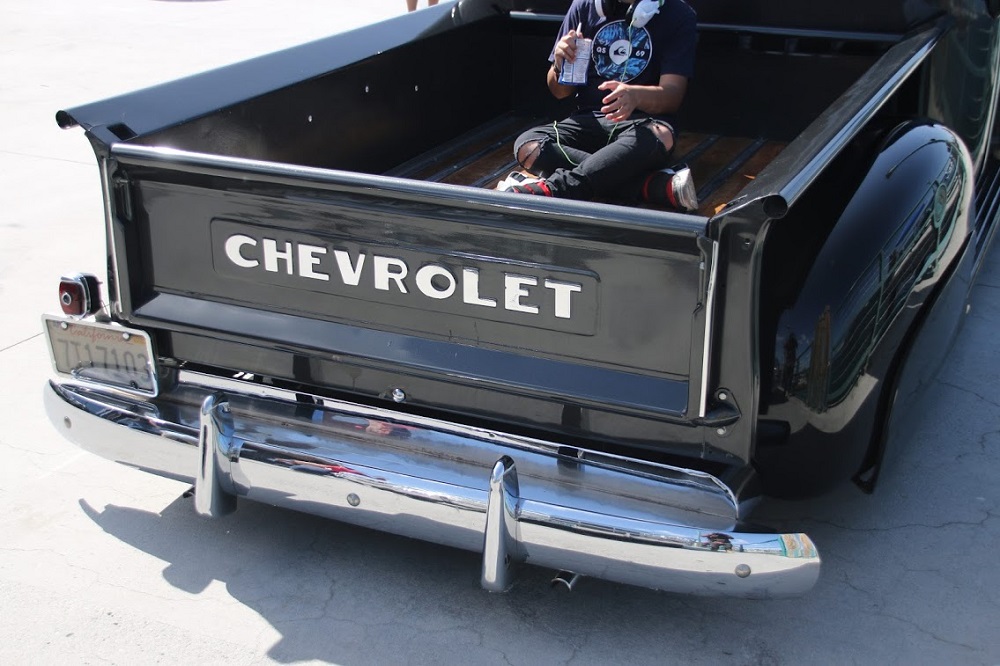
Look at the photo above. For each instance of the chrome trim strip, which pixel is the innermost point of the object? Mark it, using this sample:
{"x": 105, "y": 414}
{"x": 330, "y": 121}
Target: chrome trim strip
{"x": 709, "y": 328}
{"x": 635, "y": 526}
{"x": 116, "y": 298}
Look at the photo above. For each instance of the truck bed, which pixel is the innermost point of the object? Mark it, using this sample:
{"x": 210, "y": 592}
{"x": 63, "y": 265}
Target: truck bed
{"x": 721, "y": 165}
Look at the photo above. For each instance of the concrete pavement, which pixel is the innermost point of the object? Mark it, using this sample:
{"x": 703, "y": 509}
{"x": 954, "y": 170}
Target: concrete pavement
{"x": 99, "y": 563}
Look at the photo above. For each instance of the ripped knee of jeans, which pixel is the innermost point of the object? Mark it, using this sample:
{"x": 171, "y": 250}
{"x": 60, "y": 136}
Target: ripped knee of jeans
{"x": 664, "y": 132}
{"x": 527, "y": 153}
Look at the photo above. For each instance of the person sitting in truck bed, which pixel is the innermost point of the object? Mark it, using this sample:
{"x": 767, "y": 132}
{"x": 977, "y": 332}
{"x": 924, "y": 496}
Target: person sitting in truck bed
{"x": 642, "y": 56}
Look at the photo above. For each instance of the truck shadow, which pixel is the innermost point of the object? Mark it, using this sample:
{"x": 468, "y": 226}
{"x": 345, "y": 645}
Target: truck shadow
{"x": 349, "y": 595}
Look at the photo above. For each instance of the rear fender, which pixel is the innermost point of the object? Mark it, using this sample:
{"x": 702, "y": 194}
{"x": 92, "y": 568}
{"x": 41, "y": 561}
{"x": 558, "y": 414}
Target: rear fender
{"x": 836, "y": 342}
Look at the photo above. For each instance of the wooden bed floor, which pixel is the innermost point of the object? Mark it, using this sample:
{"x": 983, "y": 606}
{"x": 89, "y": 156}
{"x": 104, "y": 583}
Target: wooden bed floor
{"x": 721, "y": 165}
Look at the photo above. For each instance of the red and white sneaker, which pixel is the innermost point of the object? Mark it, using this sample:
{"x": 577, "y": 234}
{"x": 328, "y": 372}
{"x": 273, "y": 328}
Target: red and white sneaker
{"x": 518, "y": 182}
{"x": 671, "y": 186}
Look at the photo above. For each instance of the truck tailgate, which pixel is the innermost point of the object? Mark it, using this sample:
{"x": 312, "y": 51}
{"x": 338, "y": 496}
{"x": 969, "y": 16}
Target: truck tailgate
{"x": 442, "y": 296}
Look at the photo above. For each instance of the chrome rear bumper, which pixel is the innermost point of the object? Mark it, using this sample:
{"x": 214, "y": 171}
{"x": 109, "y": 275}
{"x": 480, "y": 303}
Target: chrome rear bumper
{"x": 513, "y": 499}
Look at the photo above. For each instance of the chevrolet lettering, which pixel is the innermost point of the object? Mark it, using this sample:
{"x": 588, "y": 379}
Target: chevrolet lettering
{"x": 404, "y": 276}
{"x": 432, "y": 280}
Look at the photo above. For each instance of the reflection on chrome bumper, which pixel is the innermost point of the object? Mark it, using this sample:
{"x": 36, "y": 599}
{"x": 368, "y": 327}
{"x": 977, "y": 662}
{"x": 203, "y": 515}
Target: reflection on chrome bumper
{"x": 513, "y": 499}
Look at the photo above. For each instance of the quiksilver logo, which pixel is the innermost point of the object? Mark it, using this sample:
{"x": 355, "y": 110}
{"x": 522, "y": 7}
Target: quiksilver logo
{"x": 513, "y": 291}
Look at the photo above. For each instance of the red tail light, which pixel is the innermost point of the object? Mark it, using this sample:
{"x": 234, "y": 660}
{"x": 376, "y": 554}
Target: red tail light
{"x": 79, "y": 295}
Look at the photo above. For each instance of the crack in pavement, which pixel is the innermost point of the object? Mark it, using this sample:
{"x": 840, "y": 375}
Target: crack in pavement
{"x": 17, "y": 344}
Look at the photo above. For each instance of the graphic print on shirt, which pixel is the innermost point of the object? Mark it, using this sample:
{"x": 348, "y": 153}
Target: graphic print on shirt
{"x": 621, "y": 53}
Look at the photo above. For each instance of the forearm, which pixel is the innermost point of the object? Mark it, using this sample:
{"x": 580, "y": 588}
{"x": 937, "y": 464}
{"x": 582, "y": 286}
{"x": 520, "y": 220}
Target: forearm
{"x": 558, "y": 90}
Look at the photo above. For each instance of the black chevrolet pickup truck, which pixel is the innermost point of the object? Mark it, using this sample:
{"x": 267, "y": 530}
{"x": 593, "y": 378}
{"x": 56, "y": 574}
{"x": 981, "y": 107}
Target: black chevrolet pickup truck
{"x": 316, "y": 298}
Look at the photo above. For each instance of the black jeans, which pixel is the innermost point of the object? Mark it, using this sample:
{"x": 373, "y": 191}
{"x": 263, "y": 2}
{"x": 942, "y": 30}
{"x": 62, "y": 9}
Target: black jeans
{"x": 587, "y": 156}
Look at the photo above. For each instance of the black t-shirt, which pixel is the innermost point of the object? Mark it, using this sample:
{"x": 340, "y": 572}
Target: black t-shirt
{"x": 665, "y": 45}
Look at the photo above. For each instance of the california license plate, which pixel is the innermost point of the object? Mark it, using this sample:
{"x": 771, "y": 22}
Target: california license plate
{"x": 102, "y": 354}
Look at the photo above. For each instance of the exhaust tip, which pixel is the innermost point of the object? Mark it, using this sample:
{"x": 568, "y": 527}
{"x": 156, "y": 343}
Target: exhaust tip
{"x": 565, "y": 581}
